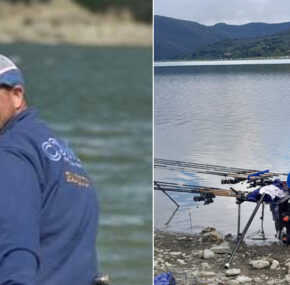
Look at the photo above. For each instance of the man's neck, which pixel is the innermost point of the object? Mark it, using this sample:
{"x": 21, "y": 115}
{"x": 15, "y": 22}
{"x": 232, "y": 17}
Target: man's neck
{"x": 22, "y": 108}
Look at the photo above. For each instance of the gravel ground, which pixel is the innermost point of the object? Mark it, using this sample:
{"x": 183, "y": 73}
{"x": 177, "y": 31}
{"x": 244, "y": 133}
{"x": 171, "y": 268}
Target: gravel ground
{"x": 188, "y": 258}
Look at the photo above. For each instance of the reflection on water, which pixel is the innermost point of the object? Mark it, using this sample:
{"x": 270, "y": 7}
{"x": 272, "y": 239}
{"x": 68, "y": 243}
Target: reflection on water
{"x": 234, "y": 116}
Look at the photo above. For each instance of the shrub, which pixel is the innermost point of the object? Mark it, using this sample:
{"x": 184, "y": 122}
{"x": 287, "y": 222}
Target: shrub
{"x": 141, "y": 9}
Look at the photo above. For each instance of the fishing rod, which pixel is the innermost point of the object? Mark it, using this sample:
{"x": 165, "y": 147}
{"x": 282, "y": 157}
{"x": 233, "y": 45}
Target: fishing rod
{"x": 159, "y": 162}
{"x": 232, "y": 175}
{"x": 206, "y": 193}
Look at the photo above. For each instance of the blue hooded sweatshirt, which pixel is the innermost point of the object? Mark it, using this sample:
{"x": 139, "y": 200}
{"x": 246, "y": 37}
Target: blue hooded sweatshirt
{"x": 48, "y": 208}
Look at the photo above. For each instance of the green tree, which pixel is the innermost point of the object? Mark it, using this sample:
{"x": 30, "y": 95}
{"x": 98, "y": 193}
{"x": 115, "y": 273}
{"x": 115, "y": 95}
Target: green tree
{"x": 141, "y": 9}
{"x": 25, "y": 1}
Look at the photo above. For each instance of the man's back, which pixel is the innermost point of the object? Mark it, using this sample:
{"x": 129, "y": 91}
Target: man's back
{"x": 48, "y": 217}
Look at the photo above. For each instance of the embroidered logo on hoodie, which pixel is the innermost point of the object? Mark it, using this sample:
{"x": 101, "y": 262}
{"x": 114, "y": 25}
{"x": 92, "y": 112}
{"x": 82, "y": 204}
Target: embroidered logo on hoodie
{"x": 55, "y": 150}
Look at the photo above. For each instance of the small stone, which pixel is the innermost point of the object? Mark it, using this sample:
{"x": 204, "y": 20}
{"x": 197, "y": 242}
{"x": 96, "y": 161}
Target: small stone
{"x": 180, "y": 261}
{"x": 206, "y": 274}
{"x": 259, "y": 264}
{"x": 204, "y": 266}
{"x": 271, "y": 282}
{"x": 228, "y": 236}
{"x": 287, "y": 265}
{"x": 275, "y": 264}
{"x": 243, "y": 279}
{"x": 208, "y": 254}
{"x": 287, "y": 278}
{"x": 194, "y": 274}
{"x": 167, "y": 264}
{"x": 175, "y": 253}
{"x": 207, "y": 230}
{"x": 257, "y": 279}
{"x": 222, "y": 248}
{"x": 269, "y": 259}
{"x": 232, "y": 282}
{"x": 212, "y": 236}
{"x": 198, "y": 253}
{"x": 233, "y": 272}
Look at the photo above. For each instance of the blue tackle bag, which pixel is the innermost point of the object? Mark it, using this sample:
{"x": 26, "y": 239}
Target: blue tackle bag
{"x": 164, "y": 279}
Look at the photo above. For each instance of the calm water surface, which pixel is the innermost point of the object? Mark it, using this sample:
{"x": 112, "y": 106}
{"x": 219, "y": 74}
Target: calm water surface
{"x": 99, "y": 100}
{"x": 230, "y": 115}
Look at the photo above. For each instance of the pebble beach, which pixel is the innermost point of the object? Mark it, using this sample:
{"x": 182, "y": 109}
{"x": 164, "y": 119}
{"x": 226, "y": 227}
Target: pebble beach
{"x": 200, "y": 259}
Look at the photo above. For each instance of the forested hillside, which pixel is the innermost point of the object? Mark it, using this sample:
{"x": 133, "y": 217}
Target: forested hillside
{"x": 142, "y": 10}
{"x": 276, "y": 45}
{"x": 175, "y": 38}
{"x": 77, "y": 22}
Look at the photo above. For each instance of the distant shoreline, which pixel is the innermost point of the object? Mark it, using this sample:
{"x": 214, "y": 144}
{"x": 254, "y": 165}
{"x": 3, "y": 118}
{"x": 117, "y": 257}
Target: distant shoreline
{"x": 65, "y": 22}
{"x": 284, "y": 60}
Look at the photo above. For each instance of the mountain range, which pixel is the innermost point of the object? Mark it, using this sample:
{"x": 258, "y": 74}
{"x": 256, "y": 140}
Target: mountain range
{"x": 177, "y": 39}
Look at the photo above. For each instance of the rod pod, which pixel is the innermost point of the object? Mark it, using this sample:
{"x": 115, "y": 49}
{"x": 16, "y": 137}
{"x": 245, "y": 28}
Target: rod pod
{"x": 227, "y": 265}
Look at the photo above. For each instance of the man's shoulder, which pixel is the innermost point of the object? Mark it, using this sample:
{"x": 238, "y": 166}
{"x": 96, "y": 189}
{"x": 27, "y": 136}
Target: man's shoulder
{"x": 28, "y": 129}
{"x": 26, "y": 135}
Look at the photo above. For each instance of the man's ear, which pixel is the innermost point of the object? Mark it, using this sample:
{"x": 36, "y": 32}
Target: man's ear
{"x": 18, "y": 97}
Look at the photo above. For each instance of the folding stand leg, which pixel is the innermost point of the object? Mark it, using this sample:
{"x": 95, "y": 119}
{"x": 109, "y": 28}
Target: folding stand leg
{"x": 239, "y": 216}
{"x": 171, "y": 198}
{"x": 227, "y": 265}
{"x": 239, "y": 222}
{"x": 262, "y": 222}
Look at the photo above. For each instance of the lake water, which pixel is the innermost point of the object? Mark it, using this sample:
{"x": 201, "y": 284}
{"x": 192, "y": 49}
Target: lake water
{"x": 230, "y": 115}
{"x": 100, "y": 101}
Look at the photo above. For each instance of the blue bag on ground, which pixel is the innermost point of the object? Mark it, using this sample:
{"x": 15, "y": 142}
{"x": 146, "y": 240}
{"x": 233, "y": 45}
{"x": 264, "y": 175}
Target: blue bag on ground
{"x": 164, "y": 279}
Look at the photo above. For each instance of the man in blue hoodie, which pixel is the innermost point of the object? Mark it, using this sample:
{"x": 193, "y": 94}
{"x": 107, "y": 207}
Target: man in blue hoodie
{"x": 48, "y": 206}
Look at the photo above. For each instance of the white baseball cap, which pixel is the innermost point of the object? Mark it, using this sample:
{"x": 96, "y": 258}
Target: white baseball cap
{"x": 10, "y": 74}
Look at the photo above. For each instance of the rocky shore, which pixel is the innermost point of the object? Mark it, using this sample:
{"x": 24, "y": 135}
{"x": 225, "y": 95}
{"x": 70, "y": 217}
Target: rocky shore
{"x": 200, "y": 259}
{"x": 65, "y": 22}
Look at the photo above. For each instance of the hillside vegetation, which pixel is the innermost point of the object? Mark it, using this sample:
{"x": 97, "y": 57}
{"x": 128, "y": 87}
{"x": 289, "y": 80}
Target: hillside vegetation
{"x": 142, "y": 10}
{"x": 277, "y": 45}
{"x": 175, "y": 38}
{"x": 69, "y": 22}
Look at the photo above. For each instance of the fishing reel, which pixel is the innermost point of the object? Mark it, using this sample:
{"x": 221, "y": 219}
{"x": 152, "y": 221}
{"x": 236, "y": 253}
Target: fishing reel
{"x": 207, "y": 198}
{"x": 259, "y": 183}
{"x": 231, "y": 181}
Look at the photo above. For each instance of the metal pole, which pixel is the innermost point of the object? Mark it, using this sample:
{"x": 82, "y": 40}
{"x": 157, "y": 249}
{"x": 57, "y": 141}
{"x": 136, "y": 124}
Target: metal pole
{"x": 166, "y": 194}
{"x": 171, "y": 198}
{"x": 227, "y": 265}
{"x": 262, "y": 221}
{"x": 239, "y": 216}
{"x": 167, "y": 223}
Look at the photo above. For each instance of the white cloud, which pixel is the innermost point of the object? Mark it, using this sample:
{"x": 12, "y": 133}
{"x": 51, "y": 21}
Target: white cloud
{"x": 237, "y": 12}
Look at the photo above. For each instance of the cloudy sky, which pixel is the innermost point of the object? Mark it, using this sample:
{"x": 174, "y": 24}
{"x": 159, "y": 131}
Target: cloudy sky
{"x": 236, "y": 12}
